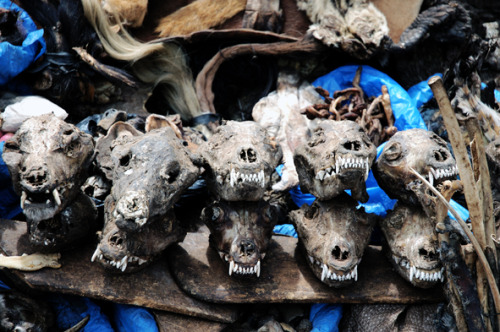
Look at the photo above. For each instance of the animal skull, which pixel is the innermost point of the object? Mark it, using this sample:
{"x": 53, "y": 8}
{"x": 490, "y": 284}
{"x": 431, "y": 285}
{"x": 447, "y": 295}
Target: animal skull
{"x": 240, "y": 232}
{"x": 239, "y": 160}
{"x": 338, "y": 156}
{"x": 334, "y": 235}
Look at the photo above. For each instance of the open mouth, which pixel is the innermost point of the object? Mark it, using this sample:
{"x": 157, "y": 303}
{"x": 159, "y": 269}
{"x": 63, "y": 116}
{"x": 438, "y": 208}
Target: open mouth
{"x": 419, "y": 274}
{"x": 438, "y": 176}
{"x": 45, "y": 199}
{"x": 341, "y": 165}
{"x": 328, "y": 273}
{"x": 241, "y": 268}
{"x": 121, "y": 263}
{"x": 238, "y": 178}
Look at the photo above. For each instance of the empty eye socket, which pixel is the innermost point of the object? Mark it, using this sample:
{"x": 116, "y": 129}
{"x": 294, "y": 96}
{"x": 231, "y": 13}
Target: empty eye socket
{"x": 212, "y": 214}
{"x": 311, "y": 212}
{"x": 11, "y": 145}
{"x": 125, "y": 160}
{"x": 72, "y": 147}
{"x": 68, "y": 132}
{"x": 393, "y": 151}
{"x": 172, "y": 175}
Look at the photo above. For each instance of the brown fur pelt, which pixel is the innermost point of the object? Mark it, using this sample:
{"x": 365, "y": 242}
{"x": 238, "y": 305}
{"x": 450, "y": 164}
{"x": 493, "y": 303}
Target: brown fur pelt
{"x": 162, "y": 65}
{"x": 198, "y": 15}
{"x": 131, "y": 12}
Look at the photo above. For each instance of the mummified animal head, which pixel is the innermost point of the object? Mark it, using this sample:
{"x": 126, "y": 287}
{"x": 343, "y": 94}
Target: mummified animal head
{"x": 338, "y": 156}
{"x": 334, "y": 234}
{"x": 240, "y": 232}
{"x": 149, "y": 172}
{"x": 239, "y": 160}
{"x": 48, "y": 160}
{"x": 119, "y": 250}
{"x": 413, "y": 245}
{"x": 417, "y": 149}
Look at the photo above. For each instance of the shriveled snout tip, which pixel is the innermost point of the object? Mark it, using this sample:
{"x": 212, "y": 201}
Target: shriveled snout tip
{"x": 133, "y": 207}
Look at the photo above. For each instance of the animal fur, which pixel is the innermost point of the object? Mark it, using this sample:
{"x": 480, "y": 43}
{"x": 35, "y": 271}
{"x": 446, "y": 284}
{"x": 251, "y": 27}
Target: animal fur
{"x": 131, "y": 12}
{"x": 159, "y": 64}
{"x": 199, "y": 15}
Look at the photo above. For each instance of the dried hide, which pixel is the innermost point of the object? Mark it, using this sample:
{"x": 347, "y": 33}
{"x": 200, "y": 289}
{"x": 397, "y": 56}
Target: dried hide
{"x": 119, "y": 250}
{"x": 279, "y": 113}
{"x": 334, "y": 234}
{"x": 240, "y": 232}
{"x": 130, "y": 12}
{"x": 413, "y": 245}
{"x": 149, "y": 172}
{"x": 337, "y": 157}
{"x": 48, "y": 160}
{"x": 355, "y": 26}
{"x": 239, "y": 161}
{"x": 417, "y": 149}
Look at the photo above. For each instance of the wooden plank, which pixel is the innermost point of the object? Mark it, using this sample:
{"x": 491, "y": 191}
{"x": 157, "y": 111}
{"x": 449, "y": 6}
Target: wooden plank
{"x": 168, "y": 321}
{"x": 286, "y": 277}
{"x": 152, "y": 287}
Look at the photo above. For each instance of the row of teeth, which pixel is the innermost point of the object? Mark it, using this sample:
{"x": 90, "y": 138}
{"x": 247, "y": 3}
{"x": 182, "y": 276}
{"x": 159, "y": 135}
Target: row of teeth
{"x": 250, "y": 177}
{"x": 121, "y": 264}
{"x": 442, "y": 173}
{"x": 342, "y": 162}
{"x": 235, "y": 268}
{"x": 418, "y": 273}
{"x": 55, "y": 194}
{"x": 326, "y": 273}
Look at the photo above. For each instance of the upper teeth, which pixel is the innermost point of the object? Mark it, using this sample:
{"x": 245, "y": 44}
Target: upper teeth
{"x": 247, "y": 177}
{"x": 420, "y": 274}
{"x": 119, "y": 264}
{"x": 330, "y": 274}
{"x": 342, "y": 162}
{"x": 442, "y": 173}
{"x": 238, "y": 269}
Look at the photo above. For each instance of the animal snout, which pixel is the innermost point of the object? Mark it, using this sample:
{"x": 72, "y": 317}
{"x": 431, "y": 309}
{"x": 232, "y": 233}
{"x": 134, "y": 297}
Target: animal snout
{"x": 247, "y": 247}
{"x": 36, "y": 176}
{"x": 428, "y": 253}
{"x": 133, "y": 206}
{"x": 248, "y": 155}
{"x": 341, "y": 252}
{"x": 441, "y": 155}
{"x": 425, "y": 251}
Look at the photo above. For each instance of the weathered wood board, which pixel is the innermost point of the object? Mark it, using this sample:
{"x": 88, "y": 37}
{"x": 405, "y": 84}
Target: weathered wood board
{"x": 152, "y": 287}
{"x": 168, "y": 321}
{"x": 286, "y": 277}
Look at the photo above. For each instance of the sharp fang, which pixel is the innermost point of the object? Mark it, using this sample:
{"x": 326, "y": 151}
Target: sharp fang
{"x": 55, "y": 193}
{"x": 431, "y": 179}
{"x": 257, "y": 269}
{"x": 124, "y": 266}
{"x": 96, "y": 254}
{"x": 367, "y": 171}
{"x": 231, "y": 267}
{"x": 232, "y": 177}
{"x": 24, "y": 195}
{"x": 311, "y": 259}
{"x": 324, "y": 272}
{"x": 355, "y": 273}
{"x": 411, "y": 273}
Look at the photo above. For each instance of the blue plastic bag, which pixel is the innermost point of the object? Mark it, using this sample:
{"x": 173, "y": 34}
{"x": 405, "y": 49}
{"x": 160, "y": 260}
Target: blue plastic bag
{"x": 129, "y": 318}
{"x": 9, "y": 201}
{"x": 15, "y": 59}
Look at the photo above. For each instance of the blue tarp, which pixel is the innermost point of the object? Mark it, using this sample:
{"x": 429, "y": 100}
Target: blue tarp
{"x": 14, "y": 59}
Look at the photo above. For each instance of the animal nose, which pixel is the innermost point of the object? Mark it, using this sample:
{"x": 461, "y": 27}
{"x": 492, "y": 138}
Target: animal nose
{"x": 441, "y": 155}
{"x": 132, "y": 206}
{"x": 428, "y": 254}
{"x": 36, "y": 176}
{"x": 247, "y": 247}
{"x": 341, "y": 252}
{"x": 248, "y": 155}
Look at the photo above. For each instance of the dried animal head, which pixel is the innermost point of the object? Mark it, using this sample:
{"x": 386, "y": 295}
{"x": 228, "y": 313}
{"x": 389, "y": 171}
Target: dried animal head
{"x": 338, "y": 156}
{"x": 240, "y": 232}
{"x": 413, "y": 245}
{"x": 334, "y": 234}
{"x": 417, "y": 149}
{"x": 48, "y": 161}
{"x": 149, "y": 172}
{"x": 119, "y": 250}
{"x": 239, "y": 160}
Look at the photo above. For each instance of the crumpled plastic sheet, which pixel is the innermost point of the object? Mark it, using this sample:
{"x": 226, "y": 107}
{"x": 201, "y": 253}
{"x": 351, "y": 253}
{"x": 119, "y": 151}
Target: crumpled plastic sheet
{"x": 15, "y": 59}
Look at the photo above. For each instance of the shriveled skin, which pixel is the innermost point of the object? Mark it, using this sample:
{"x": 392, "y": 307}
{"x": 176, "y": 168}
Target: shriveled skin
{"x": 334, "y": 234}
{"x": 337, "y": 157}
{"x": 413, "y": 245}
{"x": 127, "y": 252}
{"x": 280, "y": 113}
{"x": 149, "y": 173}
{"x": 48, "y": 160}
{"x": 355, "y": 26}
{"x": 239, "y": 160}
{"x": 66, "y": 229}
{"x": 240, "y": 232}
{"x": 493, "y": 156}
{"x": 417, "y": 149}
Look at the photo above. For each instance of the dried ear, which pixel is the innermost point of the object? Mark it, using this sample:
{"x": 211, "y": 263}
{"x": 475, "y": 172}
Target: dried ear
{"x": 156, "y": 121}
{"x": 118, "y": 132}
